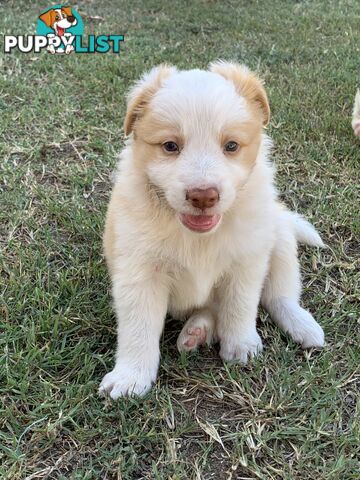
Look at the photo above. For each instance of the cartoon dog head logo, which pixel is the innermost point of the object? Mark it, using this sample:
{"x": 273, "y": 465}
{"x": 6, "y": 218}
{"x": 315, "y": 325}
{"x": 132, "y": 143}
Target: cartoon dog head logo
{"x": 60, "y": 21}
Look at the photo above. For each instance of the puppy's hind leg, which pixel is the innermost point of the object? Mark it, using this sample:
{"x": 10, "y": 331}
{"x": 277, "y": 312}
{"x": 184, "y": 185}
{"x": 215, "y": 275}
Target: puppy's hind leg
{"x": 281, "y": 293}
{"x": 198, "y": 330}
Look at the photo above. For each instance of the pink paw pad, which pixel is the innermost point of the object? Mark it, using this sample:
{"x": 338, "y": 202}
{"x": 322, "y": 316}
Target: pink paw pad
{"x": 195, "y": 337}
{"x": 198, "y": 330}
{"x": 357, "y": 128}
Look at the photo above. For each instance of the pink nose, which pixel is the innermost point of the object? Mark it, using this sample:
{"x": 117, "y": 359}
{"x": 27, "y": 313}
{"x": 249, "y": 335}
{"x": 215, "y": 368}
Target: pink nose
{"x": 203, "y": 198}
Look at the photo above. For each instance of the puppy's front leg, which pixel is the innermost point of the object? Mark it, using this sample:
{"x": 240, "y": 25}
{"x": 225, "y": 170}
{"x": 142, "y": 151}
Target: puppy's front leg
{"x": 141, "y": 310}
{"x": 239, "y": 296}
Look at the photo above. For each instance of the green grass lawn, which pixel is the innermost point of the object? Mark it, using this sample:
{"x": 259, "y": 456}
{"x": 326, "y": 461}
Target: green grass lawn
{"x": 289, "y": 414}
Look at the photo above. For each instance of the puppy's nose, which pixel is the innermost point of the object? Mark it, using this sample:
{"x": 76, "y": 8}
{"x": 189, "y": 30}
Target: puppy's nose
{"x": 71, "y": 19}
{"x": 203, "y": 198}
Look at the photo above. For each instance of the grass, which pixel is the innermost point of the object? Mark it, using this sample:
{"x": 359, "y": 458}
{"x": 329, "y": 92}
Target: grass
{"x": 289, "y": 414}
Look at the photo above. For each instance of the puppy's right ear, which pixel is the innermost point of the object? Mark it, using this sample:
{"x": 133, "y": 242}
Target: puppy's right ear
{"x": 246, "y": 83}
{"x": 142, "y": 92}
{"x": 47, "y": 18}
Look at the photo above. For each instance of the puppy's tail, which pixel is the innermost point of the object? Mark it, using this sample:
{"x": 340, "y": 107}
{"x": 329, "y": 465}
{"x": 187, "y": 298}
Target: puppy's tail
{"x": 356, "y": 114}
{"x": 304, "y": 231}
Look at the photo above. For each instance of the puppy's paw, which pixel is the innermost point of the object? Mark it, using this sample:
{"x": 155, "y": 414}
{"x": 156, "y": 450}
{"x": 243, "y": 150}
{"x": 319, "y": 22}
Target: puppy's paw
{"x": 241, "y": 348}
{"x": 69, "y": 49}
{"x": 125, "y": 381}
{"x": 297, "y": 322}
{"x": 198, "y": 330}
{"x": 305, "y": 330}
{"x": 356, "y": 127}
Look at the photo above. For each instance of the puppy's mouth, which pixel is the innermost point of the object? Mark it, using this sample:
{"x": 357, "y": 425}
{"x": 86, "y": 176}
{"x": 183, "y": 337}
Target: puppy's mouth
{"x": 200, "y": 223}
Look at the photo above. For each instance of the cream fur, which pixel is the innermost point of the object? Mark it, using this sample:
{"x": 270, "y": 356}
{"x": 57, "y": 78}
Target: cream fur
{"x": 356, "y": 114}
{"x": 217, "y": 279}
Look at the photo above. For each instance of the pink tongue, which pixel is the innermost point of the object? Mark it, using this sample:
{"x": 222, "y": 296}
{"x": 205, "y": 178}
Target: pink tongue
{"x": 60, "y": 31}
{"x": 200, "y": 223}
{"x": 200, "y": 219}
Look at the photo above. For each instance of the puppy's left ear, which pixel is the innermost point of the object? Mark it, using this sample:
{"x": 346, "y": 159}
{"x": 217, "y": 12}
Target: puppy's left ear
{"x": 47, "y": 18}
{"x": 142, "y": 92}
{"x": 246, "y": 83}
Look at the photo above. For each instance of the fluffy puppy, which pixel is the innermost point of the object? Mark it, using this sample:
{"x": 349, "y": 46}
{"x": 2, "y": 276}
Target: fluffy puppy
{"x": 356, "y": 115}
{"x": 194, "y": 227}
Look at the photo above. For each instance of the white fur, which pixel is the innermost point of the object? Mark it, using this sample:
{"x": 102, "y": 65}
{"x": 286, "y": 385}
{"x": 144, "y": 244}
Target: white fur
{"x": 157, "y": 265}
{"x": 303, "y": 230}
{"x": 356, "y": 114}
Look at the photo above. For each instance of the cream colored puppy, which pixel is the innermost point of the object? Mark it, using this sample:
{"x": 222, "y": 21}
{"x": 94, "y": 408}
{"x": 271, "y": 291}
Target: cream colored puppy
{"x": 194, "y": 227}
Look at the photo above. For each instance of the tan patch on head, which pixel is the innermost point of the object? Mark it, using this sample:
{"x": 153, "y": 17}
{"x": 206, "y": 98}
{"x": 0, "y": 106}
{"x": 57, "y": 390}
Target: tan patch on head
{"x": 242, "y": 132}
{"x": 247, "y": 84}
{"x": 155, "y": 131}
{"x": 248, "y": 154}
{"x": 142, "y": 92}
{"x": 247, "y": 134}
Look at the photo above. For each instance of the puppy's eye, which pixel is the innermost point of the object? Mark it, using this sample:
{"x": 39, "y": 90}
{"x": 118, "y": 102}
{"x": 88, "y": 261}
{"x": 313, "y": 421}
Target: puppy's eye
{"x": 170, "y": 147}
{"x": 231, "y": 146}
{"x": 57, "y": 17}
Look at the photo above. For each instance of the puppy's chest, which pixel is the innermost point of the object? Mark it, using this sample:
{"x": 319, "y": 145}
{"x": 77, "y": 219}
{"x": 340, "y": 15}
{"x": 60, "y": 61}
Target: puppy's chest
{"x": 191, "y": 287}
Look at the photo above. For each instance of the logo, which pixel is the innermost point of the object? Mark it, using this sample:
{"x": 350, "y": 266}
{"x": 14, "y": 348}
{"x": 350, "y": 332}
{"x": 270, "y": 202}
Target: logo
{"x": 60, "y": 30}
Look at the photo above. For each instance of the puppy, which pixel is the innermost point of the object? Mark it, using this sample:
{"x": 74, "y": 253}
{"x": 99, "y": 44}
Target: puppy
{"x": 356, "y": 115}
{"x": 194, "y": 227}
{"x": 59, "y": 19}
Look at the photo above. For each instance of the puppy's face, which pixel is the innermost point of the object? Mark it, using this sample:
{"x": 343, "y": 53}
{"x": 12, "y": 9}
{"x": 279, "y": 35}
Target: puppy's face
{"x": 59, "y": 18}
{"x": 196, "y": 135}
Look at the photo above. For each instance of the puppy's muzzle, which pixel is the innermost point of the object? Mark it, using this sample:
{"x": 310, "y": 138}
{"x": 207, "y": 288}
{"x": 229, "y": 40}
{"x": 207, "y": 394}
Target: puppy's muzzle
{"x": 203, "y": 198}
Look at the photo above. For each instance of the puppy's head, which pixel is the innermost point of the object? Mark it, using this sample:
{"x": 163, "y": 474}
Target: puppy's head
{"x": 196, "y": 134}
{"x": 60, "y": 18}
